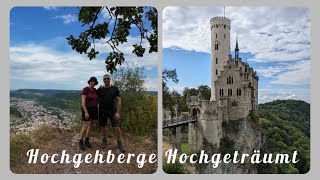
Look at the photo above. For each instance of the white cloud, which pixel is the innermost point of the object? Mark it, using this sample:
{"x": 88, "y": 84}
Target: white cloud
{"x": 269, "y": 71}
{"x": 148, "y": 61}
{"x": 271, "y": 94}
{"x": 69, "y": 18}
{"x": 180, "y": 88}
{"x": 293, "y": 73}
{"x": 50, "y": 8}
{"x": 40, "y": 63}
{"x": 269, "y": 33}
{"x": 152, "y": 84}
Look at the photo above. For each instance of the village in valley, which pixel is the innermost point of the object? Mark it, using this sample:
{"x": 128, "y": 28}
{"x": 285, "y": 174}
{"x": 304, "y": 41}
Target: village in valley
{"x": 34, "y": 115}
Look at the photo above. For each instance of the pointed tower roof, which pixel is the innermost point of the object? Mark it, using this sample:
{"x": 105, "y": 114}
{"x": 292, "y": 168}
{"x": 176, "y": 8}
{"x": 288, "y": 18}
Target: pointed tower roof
{"x": 237, "y": 47}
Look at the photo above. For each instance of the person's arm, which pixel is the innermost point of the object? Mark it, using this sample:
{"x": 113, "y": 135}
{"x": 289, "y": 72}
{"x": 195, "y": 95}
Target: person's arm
{"x": 117, "y": 115}
{"x": 84, "y": 106}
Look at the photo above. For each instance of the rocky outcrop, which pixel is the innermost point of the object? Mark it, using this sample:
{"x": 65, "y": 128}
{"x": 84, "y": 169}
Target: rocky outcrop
{"x": 245, "y": 136}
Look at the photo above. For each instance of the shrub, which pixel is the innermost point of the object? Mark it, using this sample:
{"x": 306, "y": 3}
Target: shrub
{"x": 173, "y": 168}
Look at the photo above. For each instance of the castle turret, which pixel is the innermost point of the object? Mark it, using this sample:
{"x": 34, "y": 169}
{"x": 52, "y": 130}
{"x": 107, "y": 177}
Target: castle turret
{"x": 236, "y": 50}
{"x": 220, "y": 48}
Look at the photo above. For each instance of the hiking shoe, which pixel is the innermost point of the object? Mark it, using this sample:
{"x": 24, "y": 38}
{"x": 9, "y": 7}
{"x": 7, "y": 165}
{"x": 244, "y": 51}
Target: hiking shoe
{"x": 81, "y": 145}
{"x": 121, "y": 147}
{"x": 87, "y": 142}
{"x": 104, "y": 143}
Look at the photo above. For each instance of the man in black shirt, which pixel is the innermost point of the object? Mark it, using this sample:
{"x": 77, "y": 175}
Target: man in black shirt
{"x": 109, "y": 108}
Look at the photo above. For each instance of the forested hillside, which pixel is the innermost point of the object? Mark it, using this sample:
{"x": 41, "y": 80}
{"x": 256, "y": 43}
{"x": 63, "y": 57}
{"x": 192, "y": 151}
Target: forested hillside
{"x": 286, "y": 124}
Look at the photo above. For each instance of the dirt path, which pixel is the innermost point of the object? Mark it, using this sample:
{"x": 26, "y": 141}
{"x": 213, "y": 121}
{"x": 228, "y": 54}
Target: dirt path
{"x": 68, "y": 140}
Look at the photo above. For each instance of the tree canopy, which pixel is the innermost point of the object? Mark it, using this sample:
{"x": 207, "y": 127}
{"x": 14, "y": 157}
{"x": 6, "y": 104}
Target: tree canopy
{"x": 115, "y": 31}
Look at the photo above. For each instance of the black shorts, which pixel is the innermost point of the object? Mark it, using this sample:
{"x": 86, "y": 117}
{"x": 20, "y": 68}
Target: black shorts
{"x": 93, "y": 114}
{"x": 104, "y": 116}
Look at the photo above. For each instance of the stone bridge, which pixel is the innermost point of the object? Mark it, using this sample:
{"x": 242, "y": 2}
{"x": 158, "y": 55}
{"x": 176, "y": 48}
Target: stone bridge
{"x": 178, "y": 122}
{"x": 178, "y": 128}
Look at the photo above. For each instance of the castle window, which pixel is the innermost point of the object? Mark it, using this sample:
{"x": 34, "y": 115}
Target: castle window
{"x": 227, "y": 80}
{"x": 216, "y": 47}
{"x": 232, "y": 80}
{"x": 229, "y": 92}
{"x": 224, "y": 26}
{"x": 221, "y": 92}
{"x": 216, "y": 60}
{"x": 216, "y": 35}
{"x": 238, "y": 92}
{"x": 234, "y": 104}
{"x": 216, "y": 71}
{"x": 224, "y": 35}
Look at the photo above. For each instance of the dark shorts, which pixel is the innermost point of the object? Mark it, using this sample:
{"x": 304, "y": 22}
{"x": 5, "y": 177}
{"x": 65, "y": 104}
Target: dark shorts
{"x": 93, "y": 114}
{"x": 104, "y": 116}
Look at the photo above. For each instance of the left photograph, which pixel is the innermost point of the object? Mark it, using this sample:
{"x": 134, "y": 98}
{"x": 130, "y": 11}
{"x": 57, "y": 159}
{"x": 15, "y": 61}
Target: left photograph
{"x": 83, "y": 90}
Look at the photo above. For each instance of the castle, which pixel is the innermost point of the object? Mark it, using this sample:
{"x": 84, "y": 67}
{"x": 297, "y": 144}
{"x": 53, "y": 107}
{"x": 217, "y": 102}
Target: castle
{"x": 234, "y": 90}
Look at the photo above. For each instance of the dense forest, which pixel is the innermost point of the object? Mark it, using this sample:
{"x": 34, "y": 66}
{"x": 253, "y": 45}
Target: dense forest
{"x": 286, "y": 124}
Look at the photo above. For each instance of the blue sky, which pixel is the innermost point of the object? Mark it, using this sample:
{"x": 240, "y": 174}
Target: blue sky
{"x": 275, "y": 41}
{"x": 41, "y": 58}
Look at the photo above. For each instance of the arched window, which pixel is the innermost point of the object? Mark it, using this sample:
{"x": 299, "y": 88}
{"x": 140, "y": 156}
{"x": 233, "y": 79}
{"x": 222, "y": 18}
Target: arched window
{"x": 227, "y": 80}
{"x": 216, "y": 71}
{"x": 216, "y": 60}
{"x": 216, "y": 35}
{"x": 216, "y": 47}
{"x": 232, "y": 80}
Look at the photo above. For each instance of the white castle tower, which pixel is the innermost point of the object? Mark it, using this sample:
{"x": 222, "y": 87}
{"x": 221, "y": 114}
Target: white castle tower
{"x": 220, "y": 48}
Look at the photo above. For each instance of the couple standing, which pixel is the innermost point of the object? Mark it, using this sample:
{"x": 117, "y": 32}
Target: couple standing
{"x": 109, "y": 99}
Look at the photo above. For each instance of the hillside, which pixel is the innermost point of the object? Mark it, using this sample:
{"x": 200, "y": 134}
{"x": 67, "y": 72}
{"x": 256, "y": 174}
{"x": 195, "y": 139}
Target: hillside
{"x": 54, "y": 140}
{"x": 51, "y": 120}
{"x": 281, "y": 126}
{"x": 286, "y": 125}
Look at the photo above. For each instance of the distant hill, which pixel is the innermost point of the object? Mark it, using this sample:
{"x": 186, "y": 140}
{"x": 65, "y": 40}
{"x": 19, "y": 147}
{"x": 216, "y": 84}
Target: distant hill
{"x": 286, "y": 125}
{"x": 36, "y": 93}
{"x": 64, "y": 99}
{"x": 294, "y": 111}
{"x": 152, "y": 93}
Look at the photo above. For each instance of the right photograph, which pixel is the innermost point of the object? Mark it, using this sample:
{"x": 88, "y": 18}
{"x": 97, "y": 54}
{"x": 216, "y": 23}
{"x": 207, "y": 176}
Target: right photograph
{"x": 236, "y": 90}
